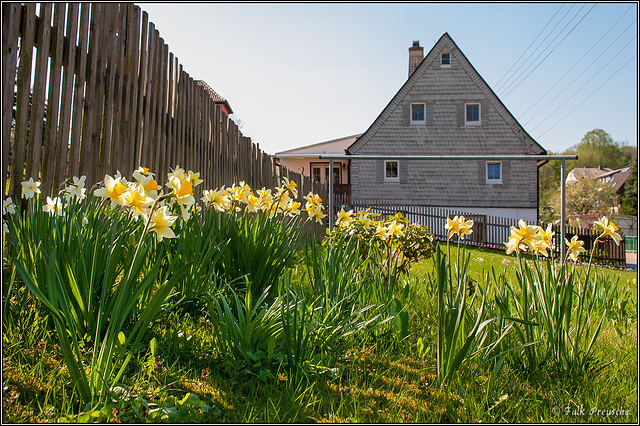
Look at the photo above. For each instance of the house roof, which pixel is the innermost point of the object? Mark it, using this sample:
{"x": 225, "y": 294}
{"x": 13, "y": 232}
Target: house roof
{"x": 604, "y": 174}
{"x": 215, "y": 96}
{"x": 618, "y": 179}
{"x": 334, "y": 146}
{"x": 532, "y": 147}
{"x": 588, "y": 173}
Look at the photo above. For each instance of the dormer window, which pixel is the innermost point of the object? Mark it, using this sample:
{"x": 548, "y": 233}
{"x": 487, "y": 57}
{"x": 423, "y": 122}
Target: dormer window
{"x": 445, "y": 59}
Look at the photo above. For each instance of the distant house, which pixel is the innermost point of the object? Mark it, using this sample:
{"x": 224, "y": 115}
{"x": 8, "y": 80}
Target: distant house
{"x": 305, "y": 160}
{"x": 445, "y": 108}
{"x": 615, "y": 178}
{"x": 217, "y": 99}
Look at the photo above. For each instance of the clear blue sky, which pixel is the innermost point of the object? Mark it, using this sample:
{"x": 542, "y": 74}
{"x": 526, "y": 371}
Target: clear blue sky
{"x": 298, "y": 74}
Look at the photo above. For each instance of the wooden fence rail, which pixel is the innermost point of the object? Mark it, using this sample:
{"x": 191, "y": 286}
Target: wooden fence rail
{"x": 488, "y": 231}
{"x": 92, "y": 89}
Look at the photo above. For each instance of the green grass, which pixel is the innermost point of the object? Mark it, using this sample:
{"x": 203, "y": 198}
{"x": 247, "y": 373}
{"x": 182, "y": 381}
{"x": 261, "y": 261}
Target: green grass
{"x": 378, "y": 381}
{"x": 483, "y": 259}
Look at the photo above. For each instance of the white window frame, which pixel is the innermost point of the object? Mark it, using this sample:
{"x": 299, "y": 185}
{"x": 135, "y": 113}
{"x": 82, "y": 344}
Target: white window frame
{"x": 424, "y": 106}
{"x": 443, "y": 65}
{"x": 473, "y": 123}
{"x": 394, "y": 178}
{"x": 493, "y": 181}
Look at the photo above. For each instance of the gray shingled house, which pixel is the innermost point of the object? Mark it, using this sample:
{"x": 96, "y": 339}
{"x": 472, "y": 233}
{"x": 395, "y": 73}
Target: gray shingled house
{"x": 446, "y": 108}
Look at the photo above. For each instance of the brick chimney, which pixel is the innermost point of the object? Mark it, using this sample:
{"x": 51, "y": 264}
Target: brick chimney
{"x": 416, "y": 54}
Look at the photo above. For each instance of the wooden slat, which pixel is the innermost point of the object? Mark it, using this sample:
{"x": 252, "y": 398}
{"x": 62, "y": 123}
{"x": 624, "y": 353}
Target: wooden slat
{"x": 116, "y": 151}
{"x": 11, "y": 15}
{"x": 111, "y": 101}
{"x": 69, "y": 60}
{"x": 53, "y": 101}
{"x": 79, "y": 91}
{"x": 23, "y": 84}
{"x": 38, "y": 96}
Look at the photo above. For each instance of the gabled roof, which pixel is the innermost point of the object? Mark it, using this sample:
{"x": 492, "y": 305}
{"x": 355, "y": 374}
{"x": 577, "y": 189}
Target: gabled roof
{"x": 335, "y": 146}
{"x": 215, "y": 96}
{"x": 616, "y": 178}
{"x": 588, "y": 173}
{"x": 531, "y": 145}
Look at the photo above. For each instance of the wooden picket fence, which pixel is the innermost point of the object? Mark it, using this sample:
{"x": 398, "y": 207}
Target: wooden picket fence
{"x": 488, "y": 231}
{"x": 92, "y": 89}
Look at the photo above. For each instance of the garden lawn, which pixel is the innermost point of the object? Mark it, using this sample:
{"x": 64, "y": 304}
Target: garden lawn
{"x": 385, "y": 380}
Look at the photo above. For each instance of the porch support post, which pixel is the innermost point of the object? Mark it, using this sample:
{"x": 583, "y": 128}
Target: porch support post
{"x": 330, "y": 194}
{"x": 562, "y": 212}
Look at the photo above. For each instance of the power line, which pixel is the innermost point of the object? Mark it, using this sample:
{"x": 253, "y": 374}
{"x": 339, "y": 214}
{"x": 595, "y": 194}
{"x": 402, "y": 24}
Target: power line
{"x": 543, "y": 59}
{"x": 592, "y": 93}
{"x": 587, "y": 82}
{"x": 583, "y": 56}
{"x": 580, "y": 75}
{"x": 525, "y": 50}
{"x": 534, "y": 51}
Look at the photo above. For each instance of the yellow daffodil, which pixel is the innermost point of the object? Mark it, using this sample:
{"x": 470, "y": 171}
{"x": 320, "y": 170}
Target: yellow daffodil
{"x": 344, "y": 217}
{"x": 291, "y": 186}
{"x": 76, "y": 189}
{"x": 452, "y": 226}
{"x": 466, "y": 227}
{"x": 293, "y": 208}
{"x": 313, "y": 198}
{"x": 253, "y": 204}
{"x": 239, "y": 193}
{"x": 148, "y": 183}
{"x": 30, "y": 188}
{"x": 608, "y": 228}
{"x": 112, "y": 189}
{"x": 265, "y": 199}
{"x": 179, "y": 173}
{"x": 525, "y": 234}
{"x": 218, "y": 199}
{"x": 53, "y": 206}
{"x": 382, "y": 232}
{"x": 8, "y": 206}
{"x": 540, "y": 247}
{"x": 161, "y": 222}
{"x": 575, "y": 247}
{"x": 514, "y": 244}
{"x": 366, "y": 220}
{"x": 183, "y": 193}
{"x": 546, "y": 236}
{"x": 458, "y": 226}
{"x": 395, "y": 229}
{"x": 194, "y": 178}
{"x": 137, "y": 200}
{"x": 317, "y": 214}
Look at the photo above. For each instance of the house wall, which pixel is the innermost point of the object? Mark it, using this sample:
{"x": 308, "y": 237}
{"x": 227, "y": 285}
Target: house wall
{"x": 447, "y": 183}
{"x": 303, "y": 166}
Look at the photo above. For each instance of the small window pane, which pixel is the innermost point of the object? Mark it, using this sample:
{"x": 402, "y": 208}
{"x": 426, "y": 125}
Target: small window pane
{"x": 417, "y": 112}
{"x": 493, "y": 171}
{"x": 473, "y": 113}
{"x": 391, "y": 169}
{"x": 316, "y": 174}
{"x": 446, "y": 59}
